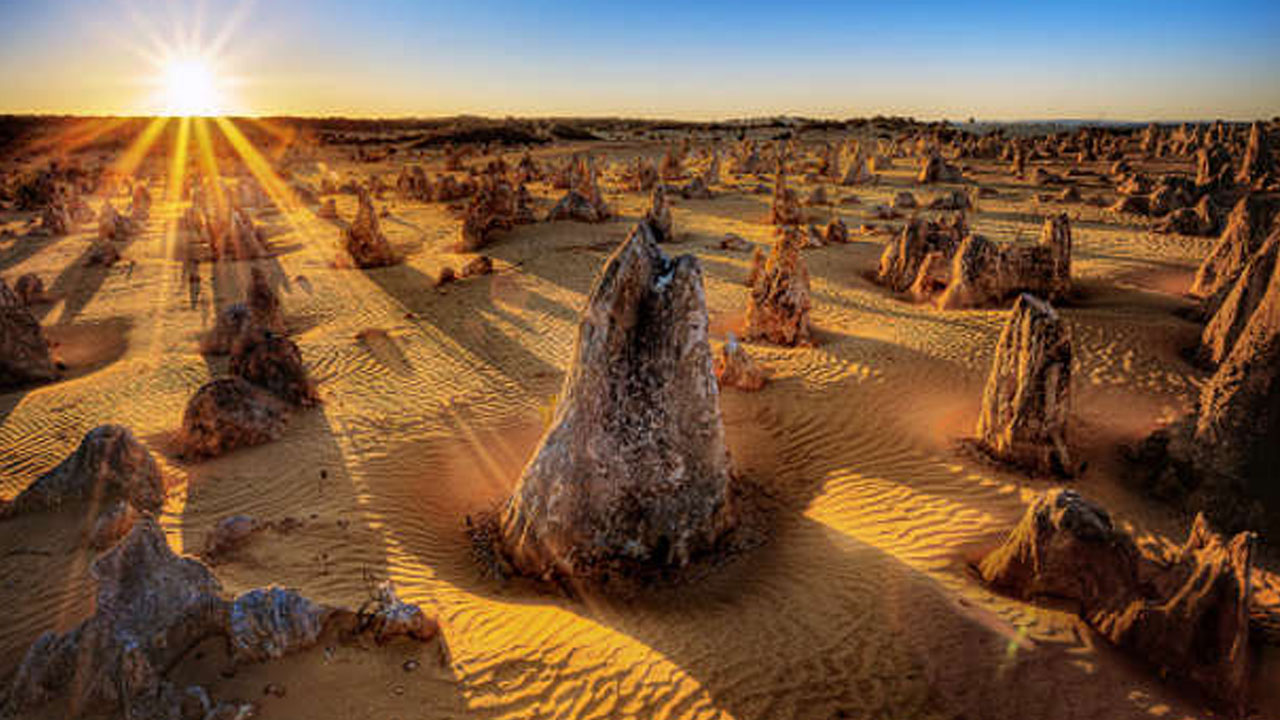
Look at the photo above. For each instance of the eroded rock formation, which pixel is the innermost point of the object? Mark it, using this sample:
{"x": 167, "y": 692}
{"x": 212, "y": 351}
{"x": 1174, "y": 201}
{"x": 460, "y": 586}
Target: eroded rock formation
{"x": 1186, "y": 613}
{"x": 153, "y": 606}
{"x": 901, "y": 260}
{"x": 109, "y": 464}
{"x": 778, "y": 307}
{"x": 735, "y": 368}
{"x": 987, "y": 273}
{"x": 1027, "y": 398}
{"x": 1250, "y": 222}
{"x": 365, "y": 243}
{"x": 658, "y": 216}
{"x": 633, "y": 472}
{"x": 230, "y": 413}
{"x": 274, "y": 363}
{"x": 24, "y": 352}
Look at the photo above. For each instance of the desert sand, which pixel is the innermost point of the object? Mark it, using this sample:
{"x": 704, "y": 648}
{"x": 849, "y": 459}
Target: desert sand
{"x": 860, "y": 600}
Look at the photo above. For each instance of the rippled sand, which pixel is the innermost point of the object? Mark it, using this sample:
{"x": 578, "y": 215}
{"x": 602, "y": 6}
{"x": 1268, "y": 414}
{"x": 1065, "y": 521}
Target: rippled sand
{"x": 861, "y": 604}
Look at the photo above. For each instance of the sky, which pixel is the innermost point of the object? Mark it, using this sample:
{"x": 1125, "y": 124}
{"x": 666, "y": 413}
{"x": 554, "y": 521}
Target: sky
{"x": 1034, "y": 59}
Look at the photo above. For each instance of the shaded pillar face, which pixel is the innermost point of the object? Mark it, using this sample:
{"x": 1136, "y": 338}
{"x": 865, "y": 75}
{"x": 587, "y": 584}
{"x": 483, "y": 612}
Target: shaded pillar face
{"x": 634, "y": 469}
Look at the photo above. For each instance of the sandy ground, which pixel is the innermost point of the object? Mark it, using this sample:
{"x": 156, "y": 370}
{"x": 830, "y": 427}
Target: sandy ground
{"x": 860, "y": 605}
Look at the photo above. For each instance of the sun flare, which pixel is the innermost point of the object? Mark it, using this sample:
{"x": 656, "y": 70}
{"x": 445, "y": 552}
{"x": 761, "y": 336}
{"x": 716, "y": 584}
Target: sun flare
{"x": 190, "y": 87}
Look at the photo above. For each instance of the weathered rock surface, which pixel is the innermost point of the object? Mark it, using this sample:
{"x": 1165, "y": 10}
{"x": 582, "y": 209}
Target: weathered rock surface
{"x": 935, "y": 169}
{"x": 1027, "y": 398}
{"x": 658, "y": 216}
{"x": 735, "y": 368}
{"x": 230, "y": 534}
{"x": 273, "y": 362}
{"x": 365, "y": 243}
{"x": 109, "y": 464}
{"x": 901, "y": 260}
{"x": 230, "y": 413}
{"x": 778, "y": 307}
{"x": 152, "y": 605}
{"x": 1240, "y": 302}
{"x": 786, "y": 205}
{"x": 633, "y": 472}
{"x": 385, "y": 617}
{"x": 1187, "y": 614}
{"x": 29, "y": 288}
{"x": 985, "y": 273}
{"x": 1258, "y": 168}
{"x": 24, "y": 352}
{"x": 1248, "y": 225}
{"x": 492, "y": 209}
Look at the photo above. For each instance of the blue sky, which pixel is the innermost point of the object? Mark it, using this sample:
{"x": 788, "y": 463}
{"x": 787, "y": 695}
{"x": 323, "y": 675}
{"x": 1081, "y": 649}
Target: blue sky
{"x": 999, "y": 60}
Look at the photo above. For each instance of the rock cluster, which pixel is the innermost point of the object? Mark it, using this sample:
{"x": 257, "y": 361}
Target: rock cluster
{"x": 633, "y": 473}
{"x": 496, "y": 206}
{"x": 583, "y": 202}
{"x": 1187, "y": 613}
{"x": 1027, "y": 399}
{"x": 904, "y": 255}
{"x": 934, "y": 169}
{"x": 986, "y": 273}
{"x": 1220, "y": 456}
{"x": 152, "y": 607}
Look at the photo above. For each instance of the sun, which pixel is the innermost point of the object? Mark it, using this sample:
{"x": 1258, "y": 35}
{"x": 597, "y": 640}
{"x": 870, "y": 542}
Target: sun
{"x": 189, "y": 87}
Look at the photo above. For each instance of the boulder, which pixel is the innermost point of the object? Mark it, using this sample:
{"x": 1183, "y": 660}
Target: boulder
{"x": 476, "y": 266}
{"x": 56, "y": 219}
{"x": 633, "y": 473}
{"x": 230, "y": 413}
{"x": 30, "y": 289}
{"x": 109, "y": 464}
{"x": 152, "y": 605}
{"x": 492, "y": 209}
{"x": 1186, "y": 613}
{"x": 904, "y": 201}
{"x": 735, "y": 368}
{"x": 24, "y": 352}
{"x": 778, "y": 307}
{"x": 386, "y": 617}
{"x": 1027, "y": 398}
{"x": 230, "y": 534}
{"x": 273, "y": 362}
{"x": 837, "y": 233}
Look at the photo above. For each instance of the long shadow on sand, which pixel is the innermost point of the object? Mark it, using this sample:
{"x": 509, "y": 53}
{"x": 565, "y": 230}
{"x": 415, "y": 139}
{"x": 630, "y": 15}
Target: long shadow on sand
{"x": 463, "y": 315}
